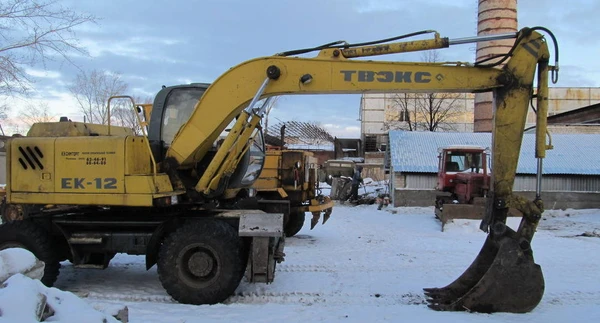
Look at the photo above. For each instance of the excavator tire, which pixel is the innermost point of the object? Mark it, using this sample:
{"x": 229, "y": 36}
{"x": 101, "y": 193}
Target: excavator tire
{"x": 294, "y": 223}
{"x": 28, "y": 235}
{"x": 245, "y": 247}
{"x": 200, "y": 263}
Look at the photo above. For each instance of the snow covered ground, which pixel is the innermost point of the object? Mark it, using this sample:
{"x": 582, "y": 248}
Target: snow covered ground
{"x": 366, "y": 265}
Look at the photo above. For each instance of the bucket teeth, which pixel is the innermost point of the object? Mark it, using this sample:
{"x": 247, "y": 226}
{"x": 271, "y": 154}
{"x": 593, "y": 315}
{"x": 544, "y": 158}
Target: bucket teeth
{"x": 326, "y": 215}
{"x": 439, "y": 295}
{"x": 315, "y": 219}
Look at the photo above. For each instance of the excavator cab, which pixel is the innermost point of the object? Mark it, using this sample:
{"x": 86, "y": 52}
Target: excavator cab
{"x": 173, "y": 107}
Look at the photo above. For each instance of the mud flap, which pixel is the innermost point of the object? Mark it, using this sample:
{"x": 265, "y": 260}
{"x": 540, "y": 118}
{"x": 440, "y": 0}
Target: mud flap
{"x": 503, "y": 278}
{"x": 266, "y": 231}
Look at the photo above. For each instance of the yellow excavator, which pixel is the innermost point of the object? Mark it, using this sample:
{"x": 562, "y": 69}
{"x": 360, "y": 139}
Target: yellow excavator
{"x": 84, "y": 192}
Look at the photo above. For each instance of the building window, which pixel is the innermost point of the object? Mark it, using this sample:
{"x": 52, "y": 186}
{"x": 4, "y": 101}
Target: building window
{"x": 404, "y": 115}
{"x": 370, "y": 143}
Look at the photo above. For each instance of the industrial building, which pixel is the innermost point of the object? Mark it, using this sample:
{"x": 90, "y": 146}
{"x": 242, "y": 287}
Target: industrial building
{"x": 571, "y": 173}
{"x": 383, "y": 112}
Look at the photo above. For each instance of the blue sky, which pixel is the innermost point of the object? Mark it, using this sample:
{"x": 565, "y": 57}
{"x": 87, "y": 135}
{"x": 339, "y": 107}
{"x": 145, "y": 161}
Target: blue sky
{"x": 155, "y": 43}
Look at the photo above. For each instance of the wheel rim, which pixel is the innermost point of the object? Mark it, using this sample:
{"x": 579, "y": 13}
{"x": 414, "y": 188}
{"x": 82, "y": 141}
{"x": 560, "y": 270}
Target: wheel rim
{"x": 199, "y": 265}
{"x": 13, "y": 213}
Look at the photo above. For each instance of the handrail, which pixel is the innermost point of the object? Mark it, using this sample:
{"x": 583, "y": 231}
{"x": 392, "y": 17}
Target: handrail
{"x": 154, "y": 168}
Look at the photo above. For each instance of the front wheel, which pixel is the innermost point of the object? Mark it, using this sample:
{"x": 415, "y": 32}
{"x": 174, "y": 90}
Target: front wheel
{"x": 200, "y": 263}
{"x": 28, "y": 235}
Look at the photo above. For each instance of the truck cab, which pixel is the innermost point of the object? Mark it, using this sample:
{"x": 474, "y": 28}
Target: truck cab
{"x": 464, "y": 172}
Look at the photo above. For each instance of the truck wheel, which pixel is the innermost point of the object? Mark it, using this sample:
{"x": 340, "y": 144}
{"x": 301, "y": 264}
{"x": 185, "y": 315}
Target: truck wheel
{"x": 294, "y": 224}
{"x": 200, "y": 263}
{"x": 27, "y": 235}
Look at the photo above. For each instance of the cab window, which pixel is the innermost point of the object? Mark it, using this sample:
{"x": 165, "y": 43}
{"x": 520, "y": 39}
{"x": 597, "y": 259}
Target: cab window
{"x": 179, "y": 107}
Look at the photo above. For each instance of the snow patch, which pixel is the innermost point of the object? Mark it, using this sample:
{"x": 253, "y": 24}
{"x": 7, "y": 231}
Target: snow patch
{"x": 24, "y": 300}
{"x": 18, "y": 260}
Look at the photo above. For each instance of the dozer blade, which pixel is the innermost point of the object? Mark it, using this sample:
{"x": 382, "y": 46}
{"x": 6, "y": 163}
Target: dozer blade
{"x": 503, "y": 278}
{"x": 459, "y": 211}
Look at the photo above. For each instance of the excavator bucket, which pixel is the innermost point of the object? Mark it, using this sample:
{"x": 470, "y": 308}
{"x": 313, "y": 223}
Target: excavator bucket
{"x": 503, "y": 278}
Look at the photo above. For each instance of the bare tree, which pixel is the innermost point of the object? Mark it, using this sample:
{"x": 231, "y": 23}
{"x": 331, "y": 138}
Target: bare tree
{"x": 92, "y": 91}
{"x": 3, "y": 117}
{"x": 426, "y": 111}
{"x": 11, "y": 128}
{"x": 405, "y": 115}
{"x": 36, "y": 113}
{"x": 437, "y": 110}
{"x": 125, "y": 115}
{"x": 33, "y": 32}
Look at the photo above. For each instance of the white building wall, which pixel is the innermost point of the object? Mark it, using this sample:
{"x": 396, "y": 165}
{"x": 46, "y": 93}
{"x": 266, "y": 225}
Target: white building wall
{"x": 380, "y": 113}
{"x": 372, "y": 111}
{"x": 563, "y": 99}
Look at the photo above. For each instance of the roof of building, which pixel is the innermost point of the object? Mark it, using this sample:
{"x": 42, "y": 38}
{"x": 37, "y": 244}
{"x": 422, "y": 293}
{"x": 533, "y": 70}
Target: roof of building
{"x": 576, "y": 154}
{"x": 313, "y": 147}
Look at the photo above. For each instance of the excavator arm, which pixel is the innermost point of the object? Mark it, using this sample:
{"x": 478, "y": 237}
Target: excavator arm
{"x": 504, "y": 276}
{"x": 333, "y": 71}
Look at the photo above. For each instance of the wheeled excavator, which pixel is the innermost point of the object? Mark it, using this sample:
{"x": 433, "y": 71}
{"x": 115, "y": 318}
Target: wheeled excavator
{"x": 84, "y": 192}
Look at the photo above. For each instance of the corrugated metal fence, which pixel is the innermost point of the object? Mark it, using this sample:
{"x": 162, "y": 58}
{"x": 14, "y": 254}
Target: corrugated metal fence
{"x": 567, "y": 183}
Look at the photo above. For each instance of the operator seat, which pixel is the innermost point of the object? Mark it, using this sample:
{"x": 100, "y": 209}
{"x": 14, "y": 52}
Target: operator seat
{"x": 452, "y": 166}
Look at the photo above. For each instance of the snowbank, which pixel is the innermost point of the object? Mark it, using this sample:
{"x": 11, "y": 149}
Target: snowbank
{"x": 24, "y": 300}
{"x": 17, "y": 260}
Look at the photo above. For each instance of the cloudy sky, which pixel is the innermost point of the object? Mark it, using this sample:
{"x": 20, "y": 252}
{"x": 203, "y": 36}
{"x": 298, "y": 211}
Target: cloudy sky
{"x": 155, "y": 43}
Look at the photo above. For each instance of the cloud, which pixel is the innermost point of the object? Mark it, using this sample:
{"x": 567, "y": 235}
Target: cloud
{"x": 42, "y": 74}
{"x": 341, "y": 131}
{"x": 166, "y": 44}
{"x": 140, "y": 48}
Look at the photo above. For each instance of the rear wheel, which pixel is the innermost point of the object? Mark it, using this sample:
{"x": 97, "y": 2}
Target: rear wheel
{"x": 294, "y": 223}
{"x": 200, "y": 263}
{"x": 28, "y": 235}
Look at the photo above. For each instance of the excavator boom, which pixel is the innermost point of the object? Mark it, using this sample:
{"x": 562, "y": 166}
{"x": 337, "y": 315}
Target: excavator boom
{"x": 331, "y": 72}
{"x": 504, "y": 276}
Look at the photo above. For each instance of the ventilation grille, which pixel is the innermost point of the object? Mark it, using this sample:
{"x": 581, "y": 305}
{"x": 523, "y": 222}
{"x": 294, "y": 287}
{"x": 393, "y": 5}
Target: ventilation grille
{"x": 31, "y": 157}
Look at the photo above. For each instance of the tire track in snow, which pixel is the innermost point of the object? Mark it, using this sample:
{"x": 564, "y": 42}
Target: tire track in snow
{"x": 309, "y": 298}
{"x": 572, "y": 298}
{"x": 133, "y": 297}
{"x": 335, "y": 269}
